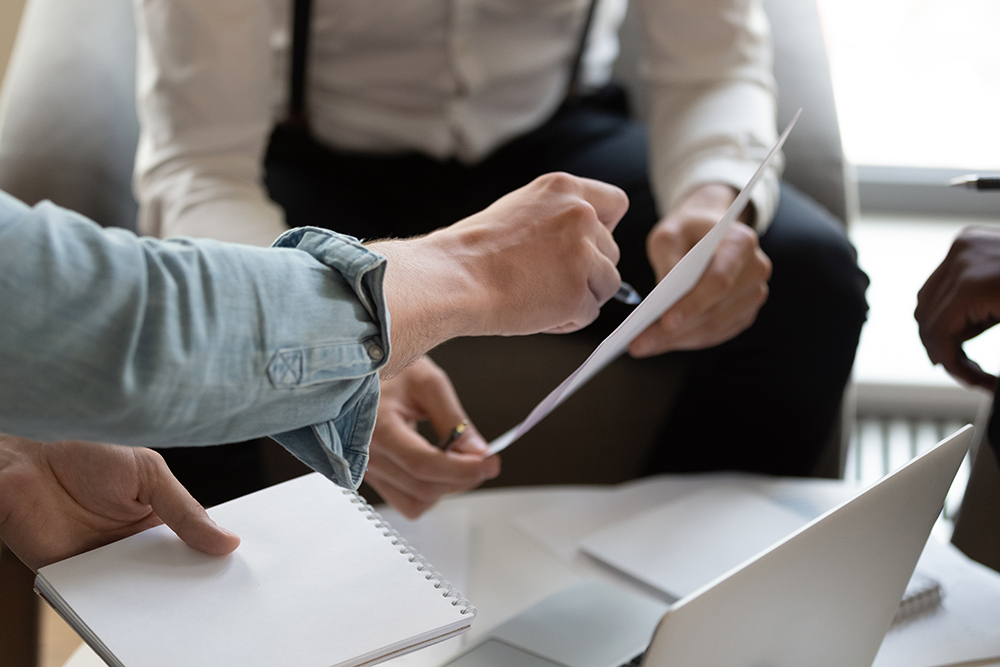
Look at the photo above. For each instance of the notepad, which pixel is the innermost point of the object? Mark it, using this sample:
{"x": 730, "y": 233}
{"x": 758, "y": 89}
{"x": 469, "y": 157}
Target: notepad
{"x": 319, "y": 580}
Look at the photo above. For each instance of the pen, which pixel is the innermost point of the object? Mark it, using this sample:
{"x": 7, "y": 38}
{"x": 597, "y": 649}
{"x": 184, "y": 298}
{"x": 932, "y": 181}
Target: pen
{"x": 976, "y": 182}
{"x": 627, "y": 295}
{"x": 454, "y": 435}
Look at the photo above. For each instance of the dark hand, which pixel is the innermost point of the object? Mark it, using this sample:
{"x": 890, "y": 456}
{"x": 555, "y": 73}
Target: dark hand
{"x": 959, "y": 301}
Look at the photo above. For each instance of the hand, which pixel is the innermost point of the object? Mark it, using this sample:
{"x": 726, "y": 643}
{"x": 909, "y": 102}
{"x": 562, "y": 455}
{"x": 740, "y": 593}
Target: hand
{"x": 410, "y": 473}
{"x": 63, "y": 498}
{"x": 959, "y": 301}
{"x": 542, "y": 258}
{"x": 726, "y": 299}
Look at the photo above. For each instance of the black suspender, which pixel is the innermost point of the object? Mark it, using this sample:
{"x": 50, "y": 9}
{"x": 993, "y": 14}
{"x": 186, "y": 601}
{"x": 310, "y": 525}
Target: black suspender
{"x": 300, "y": 47}
{"x": 573, "y": 86}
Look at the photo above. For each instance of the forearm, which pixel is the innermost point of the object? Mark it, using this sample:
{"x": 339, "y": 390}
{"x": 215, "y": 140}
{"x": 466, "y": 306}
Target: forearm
{"x": 714, "y": 100}
{"x": 113, "y": 338}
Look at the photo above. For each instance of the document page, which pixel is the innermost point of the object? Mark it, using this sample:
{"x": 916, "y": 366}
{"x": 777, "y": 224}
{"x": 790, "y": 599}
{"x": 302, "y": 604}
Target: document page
{"x": 669, "y": 291}
{"x": 681, "y": 546}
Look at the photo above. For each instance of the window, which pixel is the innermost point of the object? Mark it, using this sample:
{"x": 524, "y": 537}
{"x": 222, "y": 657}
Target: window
{"x": 917, "y": 82}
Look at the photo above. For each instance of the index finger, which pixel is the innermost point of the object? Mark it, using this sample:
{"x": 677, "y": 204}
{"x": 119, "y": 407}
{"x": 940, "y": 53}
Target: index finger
{"x": 439, "y": 401}
{"x": 929, "y": 295}
{"x": 423, "y": 461}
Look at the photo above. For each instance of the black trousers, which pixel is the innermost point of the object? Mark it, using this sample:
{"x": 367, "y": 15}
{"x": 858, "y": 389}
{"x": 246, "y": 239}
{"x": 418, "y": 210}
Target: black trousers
{"x": 764, "y": 401}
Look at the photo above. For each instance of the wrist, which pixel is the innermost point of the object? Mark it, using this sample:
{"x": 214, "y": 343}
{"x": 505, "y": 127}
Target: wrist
{"x": 429, "y": 293}
{"x": 712, "y": 200}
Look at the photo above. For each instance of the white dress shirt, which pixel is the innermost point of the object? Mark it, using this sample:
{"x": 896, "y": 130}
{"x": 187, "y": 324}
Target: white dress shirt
{"x": 449, "y": 78}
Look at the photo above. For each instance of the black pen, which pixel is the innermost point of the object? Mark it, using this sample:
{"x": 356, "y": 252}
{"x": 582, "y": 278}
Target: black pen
{"x": 627, "y": 295}
{"x": 453, "y": 435}
{"x": 976, "y": 182}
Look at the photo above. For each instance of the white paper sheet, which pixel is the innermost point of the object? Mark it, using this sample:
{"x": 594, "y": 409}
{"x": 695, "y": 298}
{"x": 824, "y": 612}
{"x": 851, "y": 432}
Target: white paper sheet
{"x": 564, "y": 522}
{"x": 680, "y": 546}
{"x": 669, "y": 291}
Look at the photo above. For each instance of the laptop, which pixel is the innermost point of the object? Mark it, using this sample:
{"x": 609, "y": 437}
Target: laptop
{"x": 824, "y": 596}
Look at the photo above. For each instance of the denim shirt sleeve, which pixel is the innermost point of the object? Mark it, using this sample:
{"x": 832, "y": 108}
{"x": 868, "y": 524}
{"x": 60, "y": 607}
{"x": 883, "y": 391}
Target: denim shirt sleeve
{"x": 338, "y": 449}
{"x": 110, "y": 337}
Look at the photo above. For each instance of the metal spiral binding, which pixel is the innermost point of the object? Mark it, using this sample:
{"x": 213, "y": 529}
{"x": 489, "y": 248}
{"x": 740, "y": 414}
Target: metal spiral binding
{"x": 442, "y": 584}
{"x": 925, "y": 598}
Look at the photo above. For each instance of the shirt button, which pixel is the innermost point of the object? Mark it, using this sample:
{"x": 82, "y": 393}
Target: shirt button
{"x": 375, "y": 352}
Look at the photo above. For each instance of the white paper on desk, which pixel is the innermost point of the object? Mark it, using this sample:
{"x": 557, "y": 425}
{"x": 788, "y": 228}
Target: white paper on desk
{"x": 669, "y": 291}
{"x": 680, "y": 546}
{"x": 965, "y": 628}
{"x": 561, "y": 524}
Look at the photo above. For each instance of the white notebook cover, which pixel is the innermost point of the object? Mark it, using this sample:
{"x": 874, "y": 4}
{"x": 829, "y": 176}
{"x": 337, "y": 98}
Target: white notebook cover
{"x": 318, "y": 581}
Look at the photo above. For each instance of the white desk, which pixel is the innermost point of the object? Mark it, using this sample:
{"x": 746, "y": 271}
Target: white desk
{"x": 509, "y": 565}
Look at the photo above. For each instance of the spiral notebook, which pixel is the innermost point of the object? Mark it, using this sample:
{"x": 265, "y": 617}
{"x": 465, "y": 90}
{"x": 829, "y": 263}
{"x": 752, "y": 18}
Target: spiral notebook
{"x": 319, "y": 580}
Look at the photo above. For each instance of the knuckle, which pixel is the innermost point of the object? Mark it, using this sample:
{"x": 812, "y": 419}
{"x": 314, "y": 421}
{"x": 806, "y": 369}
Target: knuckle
{"x": 745, "y": 235}
{"x": 579, "y": 213}
{"x": 719, "y": 281}
{"x": 763, "y": 293}
{"x": 663, "y": 236}
{"x": 767, "y": 267}
{"x": 559, "y": 180}
{"x": 154, "y": 458}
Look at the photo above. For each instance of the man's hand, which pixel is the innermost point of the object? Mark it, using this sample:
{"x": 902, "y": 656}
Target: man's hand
{"x": 409, "y": 472}
{"x": 63, "y": 498}
{"x": 727, "y": 297}
{"x": 541, "y": 258}
{"x": 959, "y": 301}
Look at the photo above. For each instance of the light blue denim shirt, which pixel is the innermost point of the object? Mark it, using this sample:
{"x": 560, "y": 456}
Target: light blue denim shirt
{"x": 110, "y": 337}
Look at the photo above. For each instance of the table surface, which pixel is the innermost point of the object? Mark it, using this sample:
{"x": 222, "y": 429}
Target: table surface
{"x": 502, "y": 550}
